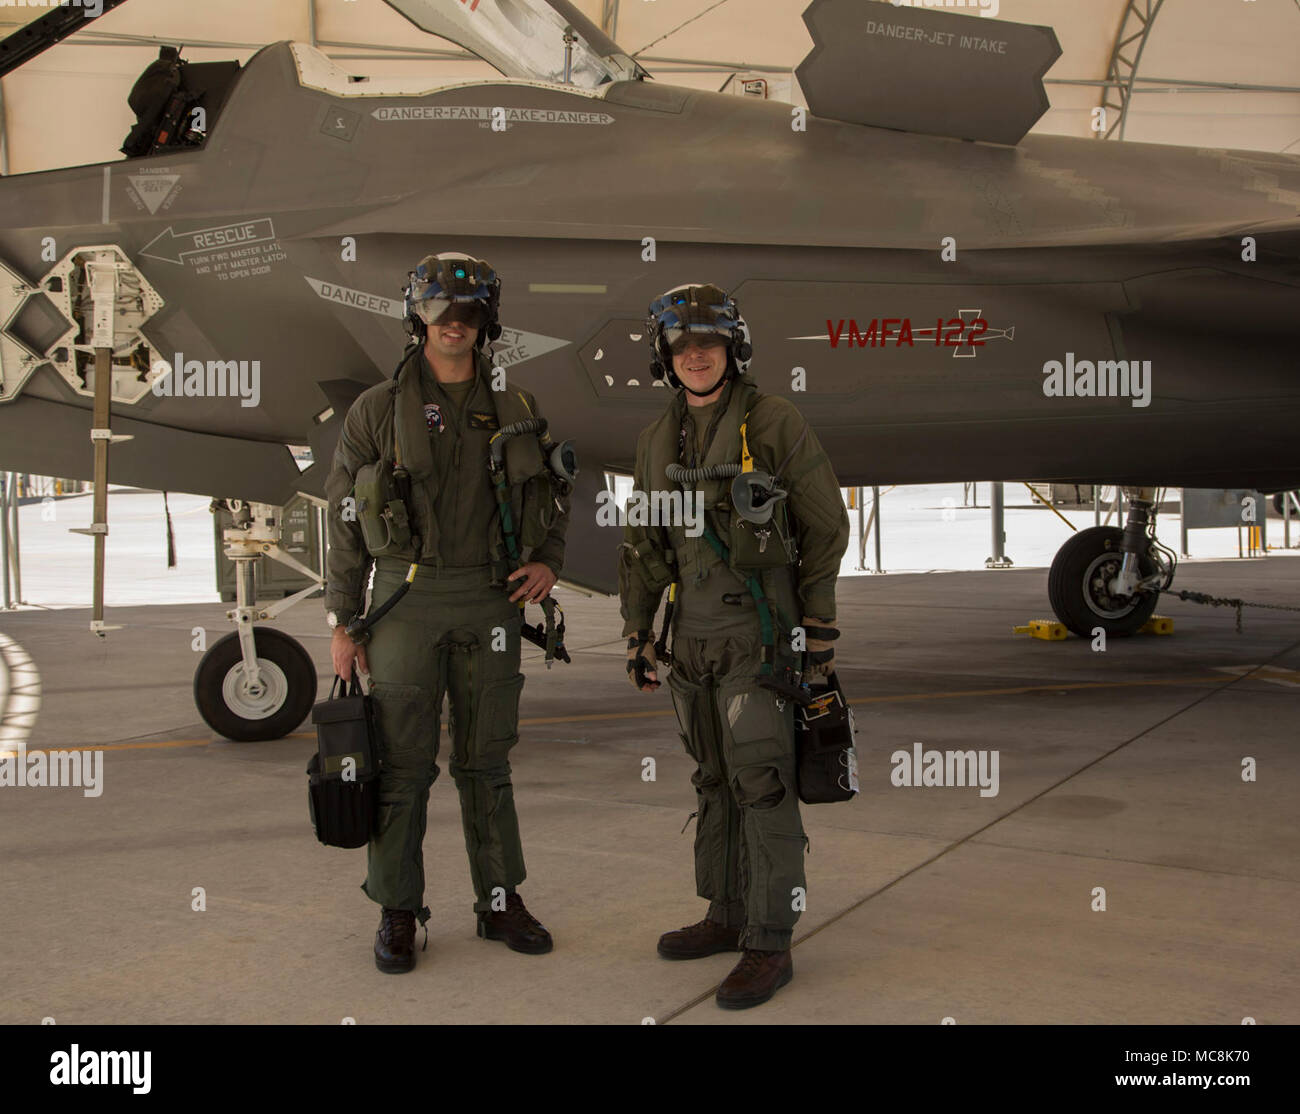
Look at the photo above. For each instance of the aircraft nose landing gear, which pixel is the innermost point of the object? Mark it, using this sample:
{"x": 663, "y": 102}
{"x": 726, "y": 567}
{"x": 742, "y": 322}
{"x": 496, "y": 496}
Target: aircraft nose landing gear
{"x": 1111, "y": 578}
{"x": 248, "y": 709}
{"x": 256, "y": 683}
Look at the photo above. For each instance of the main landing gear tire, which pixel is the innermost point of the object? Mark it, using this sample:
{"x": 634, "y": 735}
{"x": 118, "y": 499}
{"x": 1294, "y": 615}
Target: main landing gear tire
{"x": 1076, "y": 585}
{"x": 282, "y": 701}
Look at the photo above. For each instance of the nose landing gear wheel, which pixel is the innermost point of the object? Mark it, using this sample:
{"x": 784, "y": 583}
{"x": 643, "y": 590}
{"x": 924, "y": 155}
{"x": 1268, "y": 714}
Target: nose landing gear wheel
{"x": 1078, "y": 585}
{"x": 271, "y": 709}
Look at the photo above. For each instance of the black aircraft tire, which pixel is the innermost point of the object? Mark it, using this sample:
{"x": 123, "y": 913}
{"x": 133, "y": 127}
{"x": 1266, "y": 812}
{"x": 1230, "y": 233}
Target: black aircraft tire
{"x": 289, "y": 677}
{"x": 1089, "y": 557}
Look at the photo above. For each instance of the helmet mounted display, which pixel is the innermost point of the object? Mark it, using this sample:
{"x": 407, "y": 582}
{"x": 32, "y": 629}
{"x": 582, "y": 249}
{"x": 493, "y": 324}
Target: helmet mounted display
{"x": 452, "y": 286}
{"x": 696, "y": 310}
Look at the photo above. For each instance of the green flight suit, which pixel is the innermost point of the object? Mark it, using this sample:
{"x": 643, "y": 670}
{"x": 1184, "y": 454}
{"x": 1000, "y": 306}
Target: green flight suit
{"x": 749, "y": 838}
{"x": 455, "y": 634}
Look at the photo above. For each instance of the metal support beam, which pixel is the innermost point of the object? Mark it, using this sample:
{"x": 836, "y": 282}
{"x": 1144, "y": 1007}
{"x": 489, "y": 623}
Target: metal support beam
{"x": 1182, "y": 525}
{"x": 1174, "y": 85}
{"x": 103, "y": 386}
{"x": 708, "y": 65}
{"x": 999, "y": 560}
{"x": 15, "y": 542}
{"x": 1125, "y": 58}
{"x": 4, "y": 133}
{"x": 6, "y": 482}
{"x": 102, "y": 277}
{"x": 609, "y": 18}
{"x": 10, "y": 551}
{"x": 875, "y": 516}
{"x": 383, "y": 50}
{"x": 862, "y": 531}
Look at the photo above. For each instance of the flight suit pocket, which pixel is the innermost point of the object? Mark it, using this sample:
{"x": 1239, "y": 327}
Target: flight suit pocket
{"x": 781, "y": 875}
{"x": 757, "y": 730}
{"x": 538, "y": 513}
{"x": 406, "y": 744}
{"x": 381, "y": 513}
{"x": 499, "y": 715}
{"x": 401, "y": 719}
{"x": 689, "y": 704}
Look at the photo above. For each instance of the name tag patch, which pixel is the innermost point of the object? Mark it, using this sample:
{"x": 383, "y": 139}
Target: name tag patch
{"x": 479, "y": 420}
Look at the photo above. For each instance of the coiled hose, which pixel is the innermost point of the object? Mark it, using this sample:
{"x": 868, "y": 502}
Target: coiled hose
{"x": 680, "y": 475}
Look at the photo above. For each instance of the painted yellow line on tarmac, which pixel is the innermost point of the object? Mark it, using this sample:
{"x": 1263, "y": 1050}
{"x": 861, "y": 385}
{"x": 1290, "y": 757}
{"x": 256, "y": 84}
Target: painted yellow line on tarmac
{"x": 1077, "y": 687}
{"x": 158, "y": 744}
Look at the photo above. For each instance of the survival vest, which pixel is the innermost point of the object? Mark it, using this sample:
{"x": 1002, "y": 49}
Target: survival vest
{"x": 395, "y": 494}
{"x": 762, "y": 558}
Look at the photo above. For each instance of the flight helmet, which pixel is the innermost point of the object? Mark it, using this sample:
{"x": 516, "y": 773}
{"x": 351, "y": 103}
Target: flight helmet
{"x": 453, "y": 286}
{"x": 696, "y": 308}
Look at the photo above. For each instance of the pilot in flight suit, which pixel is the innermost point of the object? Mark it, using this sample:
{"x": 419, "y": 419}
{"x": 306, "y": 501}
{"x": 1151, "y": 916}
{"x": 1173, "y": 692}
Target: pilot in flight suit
{"x": 456, "y": 633}
{"x": 741, "y": 588}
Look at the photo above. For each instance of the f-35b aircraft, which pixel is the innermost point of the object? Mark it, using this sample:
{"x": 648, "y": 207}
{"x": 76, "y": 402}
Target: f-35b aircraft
{"x": 944, "y": 296}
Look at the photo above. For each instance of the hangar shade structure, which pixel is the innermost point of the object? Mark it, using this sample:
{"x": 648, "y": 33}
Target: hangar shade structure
{"x": 1201, "y": 73}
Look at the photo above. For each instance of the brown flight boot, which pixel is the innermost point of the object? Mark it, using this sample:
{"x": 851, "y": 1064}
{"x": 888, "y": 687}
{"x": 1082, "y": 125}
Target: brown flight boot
{"x": 755, "y": 979}
{"x": 395, "y": 941}
{"x": 698, "y": 940}
{"x": 521, "y": 931}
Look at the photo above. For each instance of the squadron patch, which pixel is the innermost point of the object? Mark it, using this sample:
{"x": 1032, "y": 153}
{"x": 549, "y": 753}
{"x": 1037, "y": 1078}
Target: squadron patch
{"x": 480, "y": 420}
{"x": 433, "y": 417}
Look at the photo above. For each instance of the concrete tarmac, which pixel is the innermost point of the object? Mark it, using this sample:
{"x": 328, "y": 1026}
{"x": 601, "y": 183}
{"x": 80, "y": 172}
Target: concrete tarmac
{"x": 1120, "y": 780}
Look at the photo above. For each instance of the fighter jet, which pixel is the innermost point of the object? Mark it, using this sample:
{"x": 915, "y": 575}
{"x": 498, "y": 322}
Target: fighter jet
{"x": 943, "y": 296}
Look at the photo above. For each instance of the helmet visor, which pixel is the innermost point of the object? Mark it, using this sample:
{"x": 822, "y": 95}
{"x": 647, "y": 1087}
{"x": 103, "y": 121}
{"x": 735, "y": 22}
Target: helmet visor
{"x": 703, "y": 314}
{"x": 680, "y": 339}
{"x": 438, "y": 311}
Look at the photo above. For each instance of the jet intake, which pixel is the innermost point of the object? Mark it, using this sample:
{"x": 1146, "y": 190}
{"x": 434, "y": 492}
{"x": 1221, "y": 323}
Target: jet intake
{"x": 934, "y": 72}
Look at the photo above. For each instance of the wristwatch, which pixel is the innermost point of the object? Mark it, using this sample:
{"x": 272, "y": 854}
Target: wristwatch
{"x": 332, "y": 617}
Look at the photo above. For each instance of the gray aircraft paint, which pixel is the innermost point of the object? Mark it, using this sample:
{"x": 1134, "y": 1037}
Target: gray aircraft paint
{"x": 1119, "y": 251}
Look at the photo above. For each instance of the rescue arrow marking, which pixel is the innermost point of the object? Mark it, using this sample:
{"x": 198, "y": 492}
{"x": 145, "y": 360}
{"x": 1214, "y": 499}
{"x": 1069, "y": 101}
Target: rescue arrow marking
{"x": 208, "y": 239}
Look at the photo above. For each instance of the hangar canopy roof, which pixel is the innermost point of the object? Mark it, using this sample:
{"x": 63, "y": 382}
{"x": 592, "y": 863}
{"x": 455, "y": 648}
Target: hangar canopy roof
{"x": 1205, "y": 73}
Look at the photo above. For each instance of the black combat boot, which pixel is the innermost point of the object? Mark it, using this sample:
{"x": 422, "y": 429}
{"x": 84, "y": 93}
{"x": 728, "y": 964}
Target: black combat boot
{"x": 395, "y": 941}
{"x": 698, "y": 940}
{"x": 755, "y": 979}
{"x": 521, "y": 931}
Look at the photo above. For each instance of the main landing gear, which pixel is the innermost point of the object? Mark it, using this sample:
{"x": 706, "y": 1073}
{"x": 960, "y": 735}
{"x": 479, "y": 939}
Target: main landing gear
{"x": 256, "y": 683}
{"x": 1111, "y": 578}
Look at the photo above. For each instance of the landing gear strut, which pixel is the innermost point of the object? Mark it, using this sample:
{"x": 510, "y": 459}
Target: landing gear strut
{"x": 256, "y": 683}
{"x": 1111, "y": 578}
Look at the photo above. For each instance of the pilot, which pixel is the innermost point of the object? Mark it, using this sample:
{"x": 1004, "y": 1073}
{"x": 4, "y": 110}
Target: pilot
{"x": 456, "y": 632}
{"x": 748, "y": 596}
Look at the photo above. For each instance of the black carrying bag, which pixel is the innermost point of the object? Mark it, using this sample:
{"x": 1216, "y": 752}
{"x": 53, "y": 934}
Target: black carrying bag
{"x": 343, "y": 774}
{"x": 827, "y": 761}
